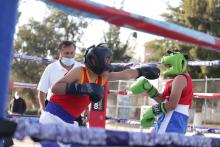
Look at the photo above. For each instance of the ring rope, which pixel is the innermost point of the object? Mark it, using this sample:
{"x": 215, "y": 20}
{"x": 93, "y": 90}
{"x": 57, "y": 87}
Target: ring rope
{"x": 122, "y": 92}
{"x": 99, "y": 136}
{"x": 189, "y": 128}
{"x": 90, "y": 9}
{"x": 190, "y": 63}
{"x": 124, "y": 121}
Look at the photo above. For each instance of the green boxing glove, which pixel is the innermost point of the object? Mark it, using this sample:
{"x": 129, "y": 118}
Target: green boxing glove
{"x": 141, "y": 85}
{"x": 150, "y": 115}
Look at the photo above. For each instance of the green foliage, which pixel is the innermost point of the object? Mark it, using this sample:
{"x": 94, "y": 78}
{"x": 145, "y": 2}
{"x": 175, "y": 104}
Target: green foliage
{"x": 154, "y": 50}
{"x": 200, "y": 15}
{"x": 121, "y": 51}
{"x": 70, "y": 27}
{"x": 36, "y": 38}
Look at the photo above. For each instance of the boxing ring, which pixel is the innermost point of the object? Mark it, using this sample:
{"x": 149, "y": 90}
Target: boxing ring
{"x": 54, "y": 133}
{"x": 95, "y": 136}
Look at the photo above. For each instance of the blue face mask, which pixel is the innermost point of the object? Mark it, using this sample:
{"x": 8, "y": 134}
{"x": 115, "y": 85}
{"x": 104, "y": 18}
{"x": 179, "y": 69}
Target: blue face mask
{"x": 67, "y": 61}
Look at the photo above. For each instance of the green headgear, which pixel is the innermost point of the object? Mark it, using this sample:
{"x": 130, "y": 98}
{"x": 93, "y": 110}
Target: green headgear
{"x": 177, "y": 61}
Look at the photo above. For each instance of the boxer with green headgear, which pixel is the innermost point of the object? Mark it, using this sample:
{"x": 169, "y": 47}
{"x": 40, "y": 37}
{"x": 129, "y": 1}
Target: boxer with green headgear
{"x": 175, "y": 100}
{"x": 177, "y": 62}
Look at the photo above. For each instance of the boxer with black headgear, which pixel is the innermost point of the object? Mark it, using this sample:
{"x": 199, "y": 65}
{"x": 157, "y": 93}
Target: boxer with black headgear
{"x": 98, "y": 58}
{"x": 83, "y": 85}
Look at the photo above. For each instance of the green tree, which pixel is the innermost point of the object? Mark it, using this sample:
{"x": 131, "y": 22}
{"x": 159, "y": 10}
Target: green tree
{"x": 121, "y": 51}
{"x": 36, "y": 38}
{"x": 154, "y": 50}
{"x": 203, "y": 16}
{"x": 200, "y": 15}
{"x": 70, "y": 27}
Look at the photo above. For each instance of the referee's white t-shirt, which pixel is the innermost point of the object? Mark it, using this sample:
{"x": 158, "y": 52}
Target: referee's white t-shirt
{"x": 52, "y": 73}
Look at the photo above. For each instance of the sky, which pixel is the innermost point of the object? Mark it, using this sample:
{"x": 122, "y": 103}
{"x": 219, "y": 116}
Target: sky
{"x": 152, "y": 9}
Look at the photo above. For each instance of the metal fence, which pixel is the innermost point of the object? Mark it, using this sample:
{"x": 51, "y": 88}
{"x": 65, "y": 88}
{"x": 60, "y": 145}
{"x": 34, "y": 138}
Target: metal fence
{"x": 210, "y": 107}
{"x": 129, "y": 106}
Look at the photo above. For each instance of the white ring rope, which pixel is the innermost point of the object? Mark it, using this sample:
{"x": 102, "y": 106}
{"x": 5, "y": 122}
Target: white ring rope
{"x": 99, "y": 136}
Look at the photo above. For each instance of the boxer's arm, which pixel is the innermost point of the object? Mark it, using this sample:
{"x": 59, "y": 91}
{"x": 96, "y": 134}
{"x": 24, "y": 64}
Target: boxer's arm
{"x": 41, "y": 99}
{"x": 175, "y": 95}
{"x": 94, "y": 91}
{"x": 123, "y": 75}
{"x": 69, "y": 85}
{"x": 159, "y": 98}
{"x": 147, "y": 72}
{"x": 178, "y": 85}
{"x": 73, "y": 75}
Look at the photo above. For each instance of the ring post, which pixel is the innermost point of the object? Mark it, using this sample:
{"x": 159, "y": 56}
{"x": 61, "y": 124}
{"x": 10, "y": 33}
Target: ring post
{"x": 8, "y": 17}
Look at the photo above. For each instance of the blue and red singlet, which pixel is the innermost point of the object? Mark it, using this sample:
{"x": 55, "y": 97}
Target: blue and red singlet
{"x": 69, "y": 107}
{"x": 176, "y": 120}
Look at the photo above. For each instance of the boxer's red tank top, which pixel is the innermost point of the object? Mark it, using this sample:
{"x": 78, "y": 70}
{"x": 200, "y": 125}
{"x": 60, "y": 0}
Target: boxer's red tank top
{"x": 75, "y": 104}
{"x": 187, "y": 94}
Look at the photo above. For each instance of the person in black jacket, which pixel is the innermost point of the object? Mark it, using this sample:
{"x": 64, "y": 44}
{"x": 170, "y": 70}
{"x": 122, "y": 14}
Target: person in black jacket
{"x": 17, "y": 105}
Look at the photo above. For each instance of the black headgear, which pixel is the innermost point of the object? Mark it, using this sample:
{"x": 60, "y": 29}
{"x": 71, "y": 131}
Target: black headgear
{"x": 96, "y": 58}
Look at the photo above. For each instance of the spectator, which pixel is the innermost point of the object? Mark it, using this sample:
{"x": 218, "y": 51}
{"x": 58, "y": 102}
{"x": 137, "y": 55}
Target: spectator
{"x": 17, "y": 105}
